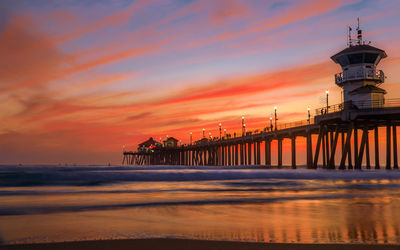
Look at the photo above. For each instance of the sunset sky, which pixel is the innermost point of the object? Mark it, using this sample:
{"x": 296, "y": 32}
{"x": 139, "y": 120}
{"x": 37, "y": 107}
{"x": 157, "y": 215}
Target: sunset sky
{"x": 80, "y": 79}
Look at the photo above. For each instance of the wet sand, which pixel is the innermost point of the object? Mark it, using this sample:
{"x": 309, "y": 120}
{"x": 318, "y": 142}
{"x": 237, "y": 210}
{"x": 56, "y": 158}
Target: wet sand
{"x": 178, "y": 244}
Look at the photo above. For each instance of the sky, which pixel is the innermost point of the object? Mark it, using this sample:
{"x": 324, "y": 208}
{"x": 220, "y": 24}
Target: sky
{"x": 81, "y": 79}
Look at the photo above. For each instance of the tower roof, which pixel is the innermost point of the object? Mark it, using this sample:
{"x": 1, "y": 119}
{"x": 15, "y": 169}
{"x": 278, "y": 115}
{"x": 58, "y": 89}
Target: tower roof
{"x": 367, "y": 89}
{"x": 359, "y": 48}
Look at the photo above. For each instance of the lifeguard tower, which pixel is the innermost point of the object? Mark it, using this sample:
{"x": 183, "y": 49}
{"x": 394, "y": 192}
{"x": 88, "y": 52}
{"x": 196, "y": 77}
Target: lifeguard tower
{"x": 360, "y": 78}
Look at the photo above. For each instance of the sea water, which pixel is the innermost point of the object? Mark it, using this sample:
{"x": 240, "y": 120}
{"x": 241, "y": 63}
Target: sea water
{"x": 69, "y": 203}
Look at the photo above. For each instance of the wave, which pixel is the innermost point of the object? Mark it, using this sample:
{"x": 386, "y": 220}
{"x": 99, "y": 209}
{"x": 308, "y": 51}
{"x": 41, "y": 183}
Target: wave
{"x": 12, "y": 211}
{"x": 25, "y": 176}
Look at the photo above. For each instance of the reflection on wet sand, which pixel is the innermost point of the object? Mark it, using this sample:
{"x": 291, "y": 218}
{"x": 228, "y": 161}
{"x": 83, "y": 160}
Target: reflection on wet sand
{"x": 281, "y": 207}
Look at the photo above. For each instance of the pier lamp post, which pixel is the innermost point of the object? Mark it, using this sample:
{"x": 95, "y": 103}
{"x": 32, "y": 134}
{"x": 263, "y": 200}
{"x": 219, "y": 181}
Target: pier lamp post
{"x": 309, "y": 115}
{"x": 270, "y": 122}
{"x": 243, "y": 125}
{"x": 220, "y": 131}
{"x": 209, "y": 134}
{"x": 276, "y": 117}
{"x": 225, "y": 132}
{"x": 244, "y": 129}
{"x": 204, "y": 131}
{"x": 190, "y": 138}
{"x": 327, "y": 100}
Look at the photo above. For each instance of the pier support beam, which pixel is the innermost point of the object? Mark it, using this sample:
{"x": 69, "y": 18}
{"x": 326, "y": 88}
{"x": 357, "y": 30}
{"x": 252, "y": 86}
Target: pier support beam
{"x": 222, "y": 155}
{"x": 309, "y": 151}
{"x": 255, "y": 153}
{"x": 355, "y": 147}
{"x": 293, "y": 151}
{"x": 367, "y": 156}
{"x": 318, "y": 147}
{"x": 376, "y": 136}
{"x": 395, "y": 162}
{"x": 268, "y": 152}
{"x": 241, "y": 154}
{"x": 327, "y": 145}
{"x": 249, "y": 153}
{"x": 245, "y": 153}
{"x": 347, "y": 149}
{"x": 236, "y": 154}
{"x": 388, "y": 147}
{"x": 362, "y": 148}
{"x": 322, "y": 134}
{"x": 229, "y": 155}
{"x": 334, "y": 141}
{"x": 279, "y": 152}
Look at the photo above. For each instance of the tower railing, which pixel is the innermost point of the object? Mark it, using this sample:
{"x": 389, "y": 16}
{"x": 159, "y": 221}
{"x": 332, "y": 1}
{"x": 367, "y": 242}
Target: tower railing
{"x": 361, "y": 74}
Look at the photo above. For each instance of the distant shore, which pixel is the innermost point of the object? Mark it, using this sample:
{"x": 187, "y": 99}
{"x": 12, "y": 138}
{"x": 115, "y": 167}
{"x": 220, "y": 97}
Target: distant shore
{"x": 178, "y": 244}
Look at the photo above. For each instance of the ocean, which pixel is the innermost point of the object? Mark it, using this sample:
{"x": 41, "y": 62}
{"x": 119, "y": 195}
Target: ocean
{"x": 71, "y": 203}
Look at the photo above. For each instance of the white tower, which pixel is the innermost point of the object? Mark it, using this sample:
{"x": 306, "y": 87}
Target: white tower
{"x": 359, "y": 77}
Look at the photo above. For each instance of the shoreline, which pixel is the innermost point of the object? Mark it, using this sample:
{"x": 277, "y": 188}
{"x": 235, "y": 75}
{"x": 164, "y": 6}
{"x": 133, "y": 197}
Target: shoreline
{"x": 166, "y": 243}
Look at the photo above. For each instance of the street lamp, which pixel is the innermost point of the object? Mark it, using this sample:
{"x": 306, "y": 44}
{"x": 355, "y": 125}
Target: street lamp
{"x": 270, "y": 121}
{"x": 244, "y": 129}
{"x": 327, "y": 98}
{"x": 220, "y": 131}
{"x": 225, "y": 132}
{"x": 276, "y": 116}
{"x": 204, "y": 131}
{"x": 243, "y": 125}
{"x": 209, "y": 134}
{"x": 190, "y": 138}
{"x": 309, "y": 115}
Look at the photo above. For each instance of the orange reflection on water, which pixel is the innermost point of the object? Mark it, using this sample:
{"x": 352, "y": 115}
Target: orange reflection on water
{"x": 302, "y": 215}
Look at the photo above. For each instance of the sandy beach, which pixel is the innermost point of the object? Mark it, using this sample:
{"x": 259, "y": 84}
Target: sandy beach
{"x": 187, "y": 244}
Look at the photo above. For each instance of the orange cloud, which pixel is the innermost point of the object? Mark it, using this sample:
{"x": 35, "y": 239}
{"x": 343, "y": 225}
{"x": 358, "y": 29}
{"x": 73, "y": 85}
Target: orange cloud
{"x": 295, "y": 77}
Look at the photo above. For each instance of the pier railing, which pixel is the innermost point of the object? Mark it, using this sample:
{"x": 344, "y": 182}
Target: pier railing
{"x": 278, "y": 127}
{"x": 359, "y": 105}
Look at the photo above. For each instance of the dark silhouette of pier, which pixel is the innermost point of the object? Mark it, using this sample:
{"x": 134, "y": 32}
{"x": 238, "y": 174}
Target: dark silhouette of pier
{"x": 340, "y": 123}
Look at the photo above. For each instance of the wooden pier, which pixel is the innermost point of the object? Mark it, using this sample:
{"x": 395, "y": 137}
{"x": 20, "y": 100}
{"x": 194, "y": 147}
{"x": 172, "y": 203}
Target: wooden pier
{"x": 364, "y": 109}
{"x": 337, "y": 124}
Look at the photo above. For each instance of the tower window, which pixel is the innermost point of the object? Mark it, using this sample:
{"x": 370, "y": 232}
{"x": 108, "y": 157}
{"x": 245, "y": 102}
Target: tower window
{"x": 370, "y": 57}
{"x": 355, "y": 58}
{"x": 343, "y": 61}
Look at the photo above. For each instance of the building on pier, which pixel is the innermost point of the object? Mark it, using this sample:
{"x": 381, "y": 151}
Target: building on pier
{"x": 360, "y": 77}
{"x": 170, "y": 142}
{"x": 148, "y": 145}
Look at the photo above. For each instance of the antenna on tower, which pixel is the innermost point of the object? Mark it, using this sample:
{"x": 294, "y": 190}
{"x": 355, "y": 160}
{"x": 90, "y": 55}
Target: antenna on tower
{"x": 359, "y": 32}
{"x": 349, "y": 43}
